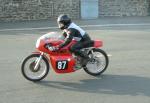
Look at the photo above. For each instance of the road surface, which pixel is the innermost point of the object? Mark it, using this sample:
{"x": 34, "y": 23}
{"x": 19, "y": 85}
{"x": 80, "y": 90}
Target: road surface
{"x": 126, "y": 80}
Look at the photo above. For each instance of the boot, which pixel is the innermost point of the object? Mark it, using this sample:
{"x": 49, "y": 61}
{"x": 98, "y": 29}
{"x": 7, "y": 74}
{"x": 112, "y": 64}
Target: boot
{"x": 84, "y": 58}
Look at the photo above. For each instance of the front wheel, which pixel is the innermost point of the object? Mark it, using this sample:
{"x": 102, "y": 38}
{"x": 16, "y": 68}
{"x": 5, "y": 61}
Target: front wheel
{"x": 28, "y": 67}
{"x": 98, "y": 64}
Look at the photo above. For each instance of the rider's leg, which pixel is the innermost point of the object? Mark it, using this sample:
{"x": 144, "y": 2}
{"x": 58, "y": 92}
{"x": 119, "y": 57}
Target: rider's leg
{"x": 76, "y": 49}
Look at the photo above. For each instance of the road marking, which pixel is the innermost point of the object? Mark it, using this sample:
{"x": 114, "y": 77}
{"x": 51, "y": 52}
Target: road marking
{"x": 104, "y": 25}
{"x": 113, "y": 25}
{"x": 24, "y": 29}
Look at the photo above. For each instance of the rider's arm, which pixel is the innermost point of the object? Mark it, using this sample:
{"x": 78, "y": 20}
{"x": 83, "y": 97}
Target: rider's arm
{"x": 63, "y": 36}
{"x": 68, "y": 39}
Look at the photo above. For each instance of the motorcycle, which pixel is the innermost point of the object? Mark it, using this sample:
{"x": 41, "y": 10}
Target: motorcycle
{"x": 35, "y": 67}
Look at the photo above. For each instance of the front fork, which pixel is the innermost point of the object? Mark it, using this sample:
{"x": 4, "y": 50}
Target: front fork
{"x": 38, "y": 61}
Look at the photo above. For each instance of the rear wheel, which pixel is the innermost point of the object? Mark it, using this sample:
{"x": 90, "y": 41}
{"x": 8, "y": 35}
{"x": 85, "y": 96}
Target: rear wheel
{"x": 28, "y": 68}
{"x": 98, "y": 64}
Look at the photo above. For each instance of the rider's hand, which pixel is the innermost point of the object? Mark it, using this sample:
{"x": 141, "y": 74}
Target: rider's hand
{"x": 53, "y": 48}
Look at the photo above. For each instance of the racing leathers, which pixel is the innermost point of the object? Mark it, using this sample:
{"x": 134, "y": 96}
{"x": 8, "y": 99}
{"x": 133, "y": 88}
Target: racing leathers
{"x": 74, "y": 32}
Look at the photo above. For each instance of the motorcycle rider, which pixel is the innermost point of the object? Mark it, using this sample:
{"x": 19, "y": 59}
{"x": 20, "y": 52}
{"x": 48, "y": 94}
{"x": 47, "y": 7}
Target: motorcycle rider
{"x": 72, "y": 31}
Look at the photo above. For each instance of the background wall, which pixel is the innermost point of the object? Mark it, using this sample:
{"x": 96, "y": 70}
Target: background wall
{"x": 37, "y": 9}
{"x": 124, "y": 7}
{"x": 12, "y": 10}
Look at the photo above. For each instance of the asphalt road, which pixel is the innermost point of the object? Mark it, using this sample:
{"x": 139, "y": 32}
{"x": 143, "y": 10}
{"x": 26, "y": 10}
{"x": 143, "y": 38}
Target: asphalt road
{"x": 127, "y": 79}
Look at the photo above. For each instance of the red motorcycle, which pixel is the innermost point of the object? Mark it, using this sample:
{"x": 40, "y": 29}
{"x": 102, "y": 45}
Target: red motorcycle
{"x": 35, "y": 67}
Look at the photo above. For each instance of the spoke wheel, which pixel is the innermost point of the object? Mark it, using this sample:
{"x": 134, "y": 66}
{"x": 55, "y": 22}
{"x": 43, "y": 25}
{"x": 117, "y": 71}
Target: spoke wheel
{"x": 28, "y": 68}
{"x": 98, "y": 64}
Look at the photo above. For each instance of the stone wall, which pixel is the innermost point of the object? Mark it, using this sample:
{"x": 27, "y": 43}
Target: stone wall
{"x": 124, "y": 7}
{"x": 12, "y": 10}
{"x": 37, "y": 9}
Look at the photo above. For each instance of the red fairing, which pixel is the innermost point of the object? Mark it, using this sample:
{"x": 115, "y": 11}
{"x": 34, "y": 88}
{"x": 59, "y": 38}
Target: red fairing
{"x": 61, "y": 61}
{"x": 98, "y": 43}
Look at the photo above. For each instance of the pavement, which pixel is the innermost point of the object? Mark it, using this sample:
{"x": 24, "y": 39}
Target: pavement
{"x": 126, "y": 80}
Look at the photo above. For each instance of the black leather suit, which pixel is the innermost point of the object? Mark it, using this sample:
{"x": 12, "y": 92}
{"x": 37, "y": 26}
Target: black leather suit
{"x": 83, "y": 40}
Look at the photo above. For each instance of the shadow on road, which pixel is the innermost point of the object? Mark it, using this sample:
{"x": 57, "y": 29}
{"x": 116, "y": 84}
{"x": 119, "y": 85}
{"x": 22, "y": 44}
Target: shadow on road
{"x": 107, "y": 84}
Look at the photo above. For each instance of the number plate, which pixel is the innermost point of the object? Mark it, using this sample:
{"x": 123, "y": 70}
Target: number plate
{"x": 62, "y": 65}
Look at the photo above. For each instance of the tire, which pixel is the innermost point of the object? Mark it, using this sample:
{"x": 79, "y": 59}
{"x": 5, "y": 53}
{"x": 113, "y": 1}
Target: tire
{"x": 30, "y": 69}
{"x": 89, "y": 68}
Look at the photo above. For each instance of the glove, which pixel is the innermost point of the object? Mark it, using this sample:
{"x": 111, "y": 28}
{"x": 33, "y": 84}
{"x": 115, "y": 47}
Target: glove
{"x": 53, "y": 48}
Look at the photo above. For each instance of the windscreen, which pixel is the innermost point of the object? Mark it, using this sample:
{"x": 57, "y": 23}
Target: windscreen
{"x": 52, "y": 35}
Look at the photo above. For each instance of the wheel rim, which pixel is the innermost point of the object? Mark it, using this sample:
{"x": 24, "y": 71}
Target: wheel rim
{"x": 98, "y": 63}
{"x": 35, "y": 74}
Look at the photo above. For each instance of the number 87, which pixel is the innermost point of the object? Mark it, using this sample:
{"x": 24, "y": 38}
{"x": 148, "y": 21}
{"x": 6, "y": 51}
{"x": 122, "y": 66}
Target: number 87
{"x": 61, "y": 65}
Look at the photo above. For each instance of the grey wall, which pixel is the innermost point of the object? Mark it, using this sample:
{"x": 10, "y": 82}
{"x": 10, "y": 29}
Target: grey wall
{"x": 124, "y": 7}
{"x": 37, "y": 9}
{"x": 11, "y": 10}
